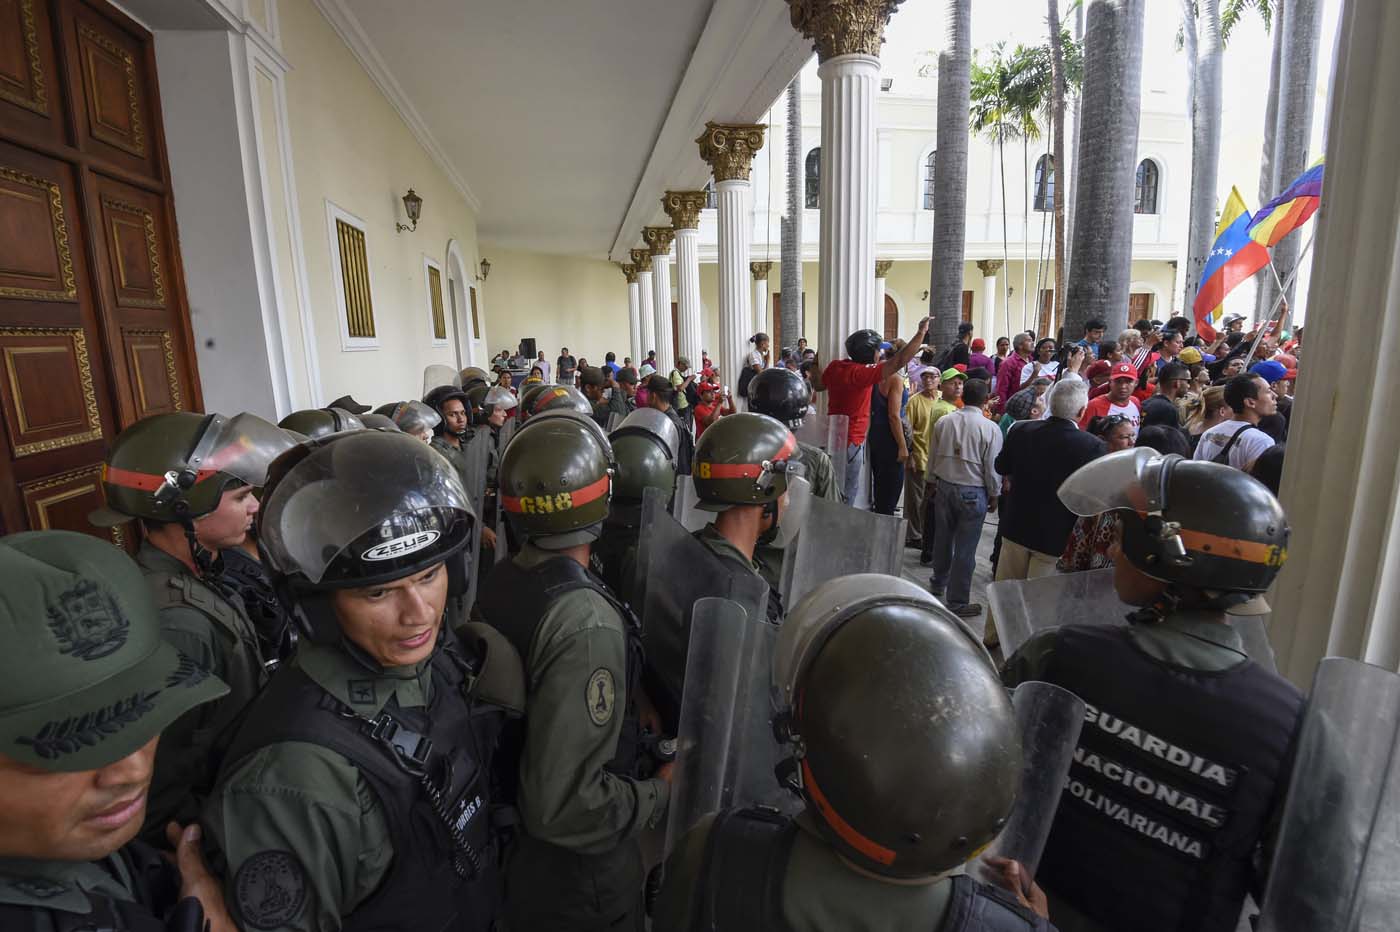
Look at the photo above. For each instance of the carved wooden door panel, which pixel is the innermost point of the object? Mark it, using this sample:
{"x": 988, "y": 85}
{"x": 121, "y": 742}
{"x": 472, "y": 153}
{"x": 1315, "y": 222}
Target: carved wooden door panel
{"x": 94, "y": 325}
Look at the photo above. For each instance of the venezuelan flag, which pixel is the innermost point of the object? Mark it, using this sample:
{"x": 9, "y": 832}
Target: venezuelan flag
{"x": 1289, "y": 210}
{"x": 1233, "y": 258}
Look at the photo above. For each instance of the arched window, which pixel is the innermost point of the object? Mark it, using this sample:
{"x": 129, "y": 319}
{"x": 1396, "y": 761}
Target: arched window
{"x": 814, "y": 171}
{"x": 1147, "y": 175}
{"x": 928, "y": 179}
{"x": 711, "y": 198}
{"x": 1045, "y": 183}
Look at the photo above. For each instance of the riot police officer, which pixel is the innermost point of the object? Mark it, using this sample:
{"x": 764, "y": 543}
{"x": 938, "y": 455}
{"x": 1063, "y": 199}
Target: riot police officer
{"x": 414, "y": 418}
{"x": 907, "y": 759}
{"x": 745, "y": 471}
{"x": 318, "y": 422}
{"x": 363, "y": 790}
{"x": 1181, "y": 763}
{"x": 189, "y": 478}
{"x": 785, "y": 396}
{"x": 578, "y": 864}
{"x": 645, "y": 446}
{"x": 86, "y": 687}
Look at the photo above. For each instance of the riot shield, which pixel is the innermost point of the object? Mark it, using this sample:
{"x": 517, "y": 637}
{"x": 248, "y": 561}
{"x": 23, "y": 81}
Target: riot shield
{"x": 686, "y": 504}
{"x": 505, "y": 432}
{"x": 838, "y": 429}
{"x": 476, "y": 457}
{"x": 674, "y": 571}
{"x": 726, "y": 754}
{"x": 838, "y": 540}
{"x": 1337, "y": 862}
{"x": 436, "y": 376}
{"x": 1049, "y": 719}
{"x": 1023, "y": 607}
{"x": 813, "y": 429}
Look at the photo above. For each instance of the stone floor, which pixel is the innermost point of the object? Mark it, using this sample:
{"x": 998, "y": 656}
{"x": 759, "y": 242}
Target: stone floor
{"x": 981, "y": 575}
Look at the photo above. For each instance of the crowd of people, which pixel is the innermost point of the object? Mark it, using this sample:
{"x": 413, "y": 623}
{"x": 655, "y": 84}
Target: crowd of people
{"x": 423, "y": 665}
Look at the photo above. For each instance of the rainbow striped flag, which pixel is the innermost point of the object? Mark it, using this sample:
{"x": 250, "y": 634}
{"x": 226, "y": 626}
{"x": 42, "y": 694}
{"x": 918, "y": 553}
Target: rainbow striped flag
{"x": 1289, "y": 210}
{"x": 1234, "y": 257}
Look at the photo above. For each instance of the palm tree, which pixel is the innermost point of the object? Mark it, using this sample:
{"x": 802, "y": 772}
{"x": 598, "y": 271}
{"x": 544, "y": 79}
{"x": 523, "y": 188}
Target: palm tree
{"x": 1028, "y": 90}
{"x": 991, "y": 115}
{"x": 950, "y": 176}
{"x": 1111, "y": 112}
{"x": 790, "y": 297}
{"x": 1057, "y": 150}
{"x": 1204, "y": 54}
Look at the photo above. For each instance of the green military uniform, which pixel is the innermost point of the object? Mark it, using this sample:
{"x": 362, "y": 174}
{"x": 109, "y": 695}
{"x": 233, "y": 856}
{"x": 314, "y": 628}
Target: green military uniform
{"x": 720, "y": 546}
{"x": 453, "y": 454}
{"x": 118, "y": 892}
{"x": 619, "y": 404}
{"x": 214, "y": 630}
{"x": 578, "y": 864}
{"x": 818, "y": 472}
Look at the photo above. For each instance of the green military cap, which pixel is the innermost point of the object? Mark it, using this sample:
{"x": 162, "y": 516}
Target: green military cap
{"x": 85, "y": 678}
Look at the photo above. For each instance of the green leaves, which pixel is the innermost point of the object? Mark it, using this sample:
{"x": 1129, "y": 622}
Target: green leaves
{"x": 1012, "y": 90}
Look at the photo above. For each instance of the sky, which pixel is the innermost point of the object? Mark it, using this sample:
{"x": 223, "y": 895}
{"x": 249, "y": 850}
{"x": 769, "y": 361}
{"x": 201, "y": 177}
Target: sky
{"x": 916, "y": 33}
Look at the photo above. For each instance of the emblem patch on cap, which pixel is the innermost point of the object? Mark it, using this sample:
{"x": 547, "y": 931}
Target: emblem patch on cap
{"x": 400, "y": 546}
{"x": 64, "y": 736}
{"x": 270, "y": 889}
{"x": 601, "y": 696}
{"x": 87, "y": 622}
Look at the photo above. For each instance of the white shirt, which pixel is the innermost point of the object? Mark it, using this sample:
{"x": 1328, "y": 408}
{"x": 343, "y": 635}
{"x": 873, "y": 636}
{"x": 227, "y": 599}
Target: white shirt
{"x": 756, "y": 358}
{"x": 1245, "y": 451}
{"x": 1129, "y": 411}
{"x": 1047, "y": 369}
{"x": 544, "y": 368}
{"x": 964, "y": 450}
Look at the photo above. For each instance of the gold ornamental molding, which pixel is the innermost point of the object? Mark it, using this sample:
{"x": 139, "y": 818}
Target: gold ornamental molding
{"x": 80, "y": 355}
{"x": 152, "y": 253}
{"x": 641, "y": 258}
{"x": 168, "y": 352}
{"x": 136, "y": 145}
{"x": 630, "y": 271}
{"x": 38, "y": 99}
{"x": 760, "y": 270}
{"x": 658, "y": 240}
{"x": 843, "y": 27}
{"x": 882, "y": 267}
{"x": 990, "y": 267}
{"x": 683, "y": 207}
{"x": 729, "y": 148}
{"x": 42, "y": 505}
{"x": 50, "y": 191}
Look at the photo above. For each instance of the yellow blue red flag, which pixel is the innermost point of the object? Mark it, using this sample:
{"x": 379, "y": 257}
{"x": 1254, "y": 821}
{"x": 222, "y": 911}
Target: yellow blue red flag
{"x": 1233, "y": 258}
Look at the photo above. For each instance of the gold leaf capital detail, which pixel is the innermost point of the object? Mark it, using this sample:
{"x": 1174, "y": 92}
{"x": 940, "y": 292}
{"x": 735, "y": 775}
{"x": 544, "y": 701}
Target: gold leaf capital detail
{"x": 843, "y": 27}
{"x": 729, "y": 149}
{"x": 683, "y": 207}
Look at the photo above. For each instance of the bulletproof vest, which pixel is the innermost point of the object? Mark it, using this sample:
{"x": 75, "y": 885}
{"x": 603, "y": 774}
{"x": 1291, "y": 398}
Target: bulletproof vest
{"x": 745, "y": 864}
{"x": 436, "y": 774}
{"x": 155, "y": 891}
{"x": 514, "y": 599}
{"x": 1172, "y": 782}
{"x": 246, "y": 579}
{"x": 244, "y": 661}
{"x": 614, "y": 557}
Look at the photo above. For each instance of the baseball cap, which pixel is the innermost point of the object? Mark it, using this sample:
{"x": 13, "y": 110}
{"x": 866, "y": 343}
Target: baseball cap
{"x": 1100, "y": 367}
{"x": 1270, "y": 370}
{"x": 708, "y": 387}
{"x": 978, "y": 345}
{"x": 1190, "y": 355}
{"x": 85, "y": 677}
{"x": 886, "y": 346}
{"x": 1124, "y": 370}
{"x": 1289, "y": 363}
{"x": 953, "y": 374}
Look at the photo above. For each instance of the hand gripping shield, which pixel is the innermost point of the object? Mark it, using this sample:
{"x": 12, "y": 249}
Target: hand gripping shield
{"x": 1024, "y": 607}
{"x": 674, "y": 572}
{"x": 1337, "y": 862}
{"x": 726, "y": 752}
{"x": 838, "y": 540}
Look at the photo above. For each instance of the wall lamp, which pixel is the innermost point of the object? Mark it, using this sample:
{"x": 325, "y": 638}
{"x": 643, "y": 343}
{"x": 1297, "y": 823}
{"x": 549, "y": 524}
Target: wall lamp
{"x": 413, "y": 206}
{"x": 485, "y": 270}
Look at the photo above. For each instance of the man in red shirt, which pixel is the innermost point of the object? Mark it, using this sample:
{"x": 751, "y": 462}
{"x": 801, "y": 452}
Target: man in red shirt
{"x": 1009, "y": 374}
{"x": 710, "y": 408}
{"x": 1118, "y": 399}
{"x": 848, "y": 383}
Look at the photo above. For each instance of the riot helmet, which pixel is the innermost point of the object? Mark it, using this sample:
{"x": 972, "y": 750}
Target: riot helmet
{"x": 1194, "y": 523}
{"x": 438, "y": 397}
{"x": 528, "y": 394}
{"x": 904, "y": 742}
{"x": 781, "y": 394}
{"x": 476, "y": 393}
{"x": 375, "y": 421}
{"x": 560, "y": 396}
{"x": 319, "y": 422}
{"x": 415, "y": 418}
{"x": 473, "y": 375}
{"x": 498, "y": 403}
{"x": 356, "y": 509}
{"x": 864, "y": 346}
{"x": 645, "y": 446}
{"x": 743, "y": 459}
{"x": 555, "y": 480}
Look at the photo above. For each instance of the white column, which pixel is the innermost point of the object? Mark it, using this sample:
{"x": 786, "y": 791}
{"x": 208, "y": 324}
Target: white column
{"x": 658, "y": 241}
{"x": 634, "y": 307}
{"x": 645, "y": 293}
{"x": 759, "y": 271}
{"x": 734, "y": 309}
{"x": 987, "y": 324}
{"x": 683, "y": 207}
{"x": 1339, "y": 592}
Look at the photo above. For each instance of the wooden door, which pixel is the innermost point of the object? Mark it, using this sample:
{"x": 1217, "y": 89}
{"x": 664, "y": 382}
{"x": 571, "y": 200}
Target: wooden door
{"x": 94, "y": 325}
{"x": 1047, "y": 311}
{"x": 1139, "y": 307}
{"x": 967, "y": 307}
{"x": 891, "y": 318}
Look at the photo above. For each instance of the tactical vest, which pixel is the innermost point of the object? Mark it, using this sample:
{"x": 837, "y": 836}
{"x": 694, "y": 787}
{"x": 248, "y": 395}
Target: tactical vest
{"x": 435, "y": 774}
{"x": 1175, "y": 775}
{"x": 154, "y": 895}
{"x": 245, "y": 665}
{"x": 248, "y": 581}
{"x": 742, "y": 877}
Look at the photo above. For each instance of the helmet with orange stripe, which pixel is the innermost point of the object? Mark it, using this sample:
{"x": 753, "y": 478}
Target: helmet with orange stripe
{"x": 556, "y": 479}
{"x": 1192, "y": 523}
{"x": 744, "y": 459}
{"x": 903, "y": 741}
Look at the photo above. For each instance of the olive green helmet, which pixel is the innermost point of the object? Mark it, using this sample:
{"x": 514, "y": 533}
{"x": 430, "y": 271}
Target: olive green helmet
{"x": 476, "y": 394}
{"x": 904, "y": 741}
{"x": 644, "y": 447}
{"x": 527, "y": 399}
{"x": 743, "y": 459}
{"x": 175, "y": 467}
{"x": 556, "y": 480}
{"x": 474, "y": 374}
{"x": 319, "y": 422}
{"x": 554, "y": 397}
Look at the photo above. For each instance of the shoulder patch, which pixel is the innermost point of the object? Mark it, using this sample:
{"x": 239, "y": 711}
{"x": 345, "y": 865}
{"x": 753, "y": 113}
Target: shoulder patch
{"x": 601, "y": 696}
{"x": 270, "y": 889}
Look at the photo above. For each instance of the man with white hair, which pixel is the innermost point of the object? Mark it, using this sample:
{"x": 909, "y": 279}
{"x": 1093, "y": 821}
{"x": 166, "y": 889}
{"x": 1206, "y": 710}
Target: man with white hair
{"x": 1036, "y": 457}
{"x": 1009, "y": 374}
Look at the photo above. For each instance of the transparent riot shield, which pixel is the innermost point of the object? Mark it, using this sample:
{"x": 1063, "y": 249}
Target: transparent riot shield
{"x": 813, "y": 429}
{"x": 726, "y": 754}
{"x": 1336, "y": 866}
{"x": 436, "y": 376}
{"x": 838, "y": 540}
{"x": 674, "y": 571}
{"x": 1023, "y": 607}
{"x": 1049, "y": 719}
{"x": 476, "y": 458}
{"x": 505, "y": 432}
{"x": 686, "y": 506}
{"x": 838, "y": 429}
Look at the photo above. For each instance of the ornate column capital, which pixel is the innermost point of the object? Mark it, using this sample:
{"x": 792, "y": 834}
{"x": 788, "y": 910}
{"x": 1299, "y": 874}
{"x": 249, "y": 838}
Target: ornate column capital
{"x": 843, "y": 27}
{"x": 990, "y": 267}
{"x": 629, "y": 270}
{"x": 760, "y": 270}
{"x": 641, "y": 258}
{"x": 658, "y": 239}
{"x": 882, "y": 267}
{"x": 729, "y": 149}
{"x": 683, "y": 207}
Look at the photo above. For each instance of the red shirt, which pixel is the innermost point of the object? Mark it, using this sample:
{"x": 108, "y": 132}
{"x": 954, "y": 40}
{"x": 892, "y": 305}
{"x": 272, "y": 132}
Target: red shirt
{"x": 848, "y": 386}
{"x": 1009, "y": 381}
{"x": 1098, "y": 407}
{"x": 702, "y": 413}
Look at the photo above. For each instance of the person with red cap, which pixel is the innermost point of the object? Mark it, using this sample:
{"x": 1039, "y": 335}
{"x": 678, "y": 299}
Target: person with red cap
{"x": 979, "y": 359}
{"x": 1119, "y": 398}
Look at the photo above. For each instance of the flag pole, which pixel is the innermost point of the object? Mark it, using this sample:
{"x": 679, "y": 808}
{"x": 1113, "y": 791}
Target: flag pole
{"x": 1282, "y": 291}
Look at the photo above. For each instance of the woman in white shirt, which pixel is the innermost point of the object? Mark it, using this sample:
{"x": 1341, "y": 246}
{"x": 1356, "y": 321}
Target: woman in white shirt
{"x": 1042, "y": 364}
